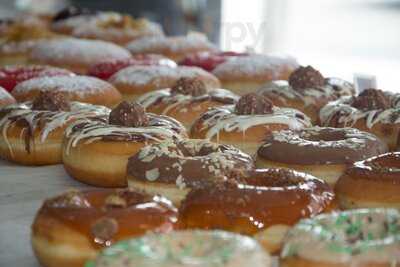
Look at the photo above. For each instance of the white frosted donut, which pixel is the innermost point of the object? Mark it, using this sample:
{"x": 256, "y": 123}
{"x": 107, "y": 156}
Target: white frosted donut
{"x": 366, "y": 237}
{"x": 78, "y": 88}
{"x": 76, "y": 54}
{"x": 185, "y": 249}
{"x": 176, "y": 48}
{"x": 134, "y": 81}
{"x": 246, "y": 73}
{"x": 5, "y": 98}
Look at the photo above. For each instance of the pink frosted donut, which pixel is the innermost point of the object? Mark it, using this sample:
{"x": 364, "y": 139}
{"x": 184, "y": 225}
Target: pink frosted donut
{"x": 76, "y": 54}
{"x": 176, "y": 48}
{"x": 76, "y": 88}
{"x": 246, "y": 73}
{"x": 135, "y": 81}
{"x": 5, "y": 98}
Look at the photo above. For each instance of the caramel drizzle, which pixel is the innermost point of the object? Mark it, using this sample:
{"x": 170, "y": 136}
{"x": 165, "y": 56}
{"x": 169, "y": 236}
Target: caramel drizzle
{"x": 47, "y": 121}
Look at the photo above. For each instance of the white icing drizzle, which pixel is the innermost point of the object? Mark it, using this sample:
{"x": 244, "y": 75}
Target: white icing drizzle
{"x": 80, "y": 85}
{"x": 96, "y": 130}
{"x": 224, "y": 119}
{"x": 73, "y": 51}
{"x": 172, "y": 101}
{"x": 350, "y": 115}
{"x": 141, "y": 75}
{"x": 47, "y": 121}
{"x": 176, "y": 44}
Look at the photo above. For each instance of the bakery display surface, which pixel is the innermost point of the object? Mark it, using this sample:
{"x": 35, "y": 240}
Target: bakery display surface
{"x": 122, "y": 145}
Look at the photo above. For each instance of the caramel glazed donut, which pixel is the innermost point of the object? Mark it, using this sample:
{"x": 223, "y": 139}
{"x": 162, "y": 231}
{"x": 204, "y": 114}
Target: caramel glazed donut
{"x": 371, "y": 183}
{"x": 186, "y": 100}
{"x": 185, "y": 249}
{"x": 5, "y": 98}
{"x": 246, "y": 124}
{"x": 32, "y": 132}
{"x": 373, "y": 111}
{"x": 71, "y": 228}
{"x": 307, "y": 91}
{"x": 262, "y": 203}
{"x": 172, "y": 169}
{"x": 96, "y": 152}
{"x": 366, "y": 237}
{"x": 321, "y": 151}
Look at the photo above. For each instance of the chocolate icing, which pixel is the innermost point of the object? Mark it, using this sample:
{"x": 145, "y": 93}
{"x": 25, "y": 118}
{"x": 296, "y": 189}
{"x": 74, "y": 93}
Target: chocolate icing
{"x": 306, "y": 77}
{"x": 51, "y": 101}
{"x": 372, "y": 99}
{"x": 187, "y": 163}
{"x": 321, "y": 146}
{"x": 253, "y": 104}
{"x": 189, "y": 86}
{"x": 71, "y": 11}
{"x": 129, "y": 115}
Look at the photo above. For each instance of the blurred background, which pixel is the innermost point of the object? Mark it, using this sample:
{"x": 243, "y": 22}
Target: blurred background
{"x": 339, "y": 37}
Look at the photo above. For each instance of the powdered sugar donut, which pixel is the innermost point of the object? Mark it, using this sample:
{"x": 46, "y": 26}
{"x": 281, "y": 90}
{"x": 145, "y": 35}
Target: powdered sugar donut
{"x": 78, "y": 88}
{"x": 76, "y": 54}
{"x": 134, "y": 81}
{"x": 244, "y": 74}
{"x": 5, "y": 98}
{"x": 12, "y": 75}
{"x": 176, "y": 48}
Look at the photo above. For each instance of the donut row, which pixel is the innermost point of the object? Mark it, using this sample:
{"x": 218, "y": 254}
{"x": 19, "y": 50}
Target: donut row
{"x": 217, "y": 158}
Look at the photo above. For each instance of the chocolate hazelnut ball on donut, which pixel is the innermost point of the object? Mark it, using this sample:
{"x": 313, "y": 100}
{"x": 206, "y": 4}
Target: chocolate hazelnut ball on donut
{"x": 373, "y": 111}
{"x": 71, "y": 228}
{"x": 247, "y": 123}
{"x": 173, "y": 168}
{"x": 321, "y": 151}
{"x": 374, "y": 182}
{"x": 97, "y": 152}
{"x": 31, "y": 133}
{"x": 186, "y": 100}
{"x": 307, "y": 90}
{"x": 263, "y": 203}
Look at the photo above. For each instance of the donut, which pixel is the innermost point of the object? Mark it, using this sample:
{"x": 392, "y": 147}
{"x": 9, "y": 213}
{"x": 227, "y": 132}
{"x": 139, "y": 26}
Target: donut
{"x": 135, "y": 81}
{"x": 172, "y": 169}
{"x": 5, "y": 98}
{"x": 186, "y": 100}
{"x": 97, "y": 152}
{"x": 263, "y": 203}
{"x": 321, "y": 151}
{"x": 185, "y": 249}
{"x": 119, "y": 29}
{"x": 73, "y": 227}
{"x": 31, "y": 133}
{"x": 175, "y": 48}
{"x": 245, "y": 74}
{"x": 78, "y": 88}
{"x": 373, "y": 111}
{"x": 106, "y": 69}
{"x": 307, "y": 91}
{"x": 246, "y": 124}
{"x": 77, "y": 55}
{"x": 208, "y": 60}
{"x": 19, "y": 39}
{"x": 12, "y": 75}
{"x": 371, "y": 183}
{"x": 364, "y": 237}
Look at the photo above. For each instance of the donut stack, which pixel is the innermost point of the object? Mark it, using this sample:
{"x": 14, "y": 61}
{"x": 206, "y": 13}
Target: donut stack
{"x": 197, "y": 157}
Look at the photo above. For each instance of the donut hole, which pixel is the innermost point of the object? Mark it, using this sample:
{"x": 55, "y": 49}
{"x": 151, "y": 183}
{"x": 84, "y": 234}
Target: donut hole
{"x": 281, "y": 178}
{"x": 385, "y": 163}
{"x": 325, "y": 136}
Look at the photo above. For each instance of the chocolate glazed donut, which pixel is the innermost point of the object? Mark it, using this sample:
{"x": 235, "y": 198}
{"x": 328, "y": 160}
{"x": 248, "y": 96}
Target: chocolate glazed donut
{"x": 173, "y": 168}
{"x": 371, "y": 183}
{"x": 263, "y": 202}
{"x": 322, "y": 151}
{"x": 71, "y": 228}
